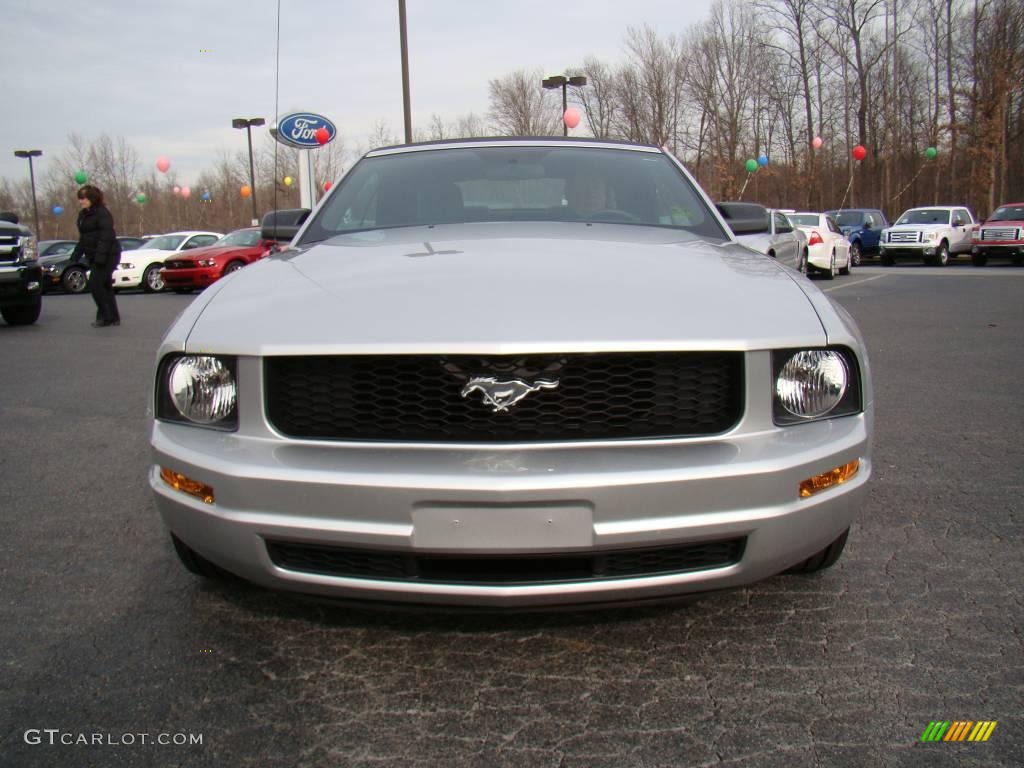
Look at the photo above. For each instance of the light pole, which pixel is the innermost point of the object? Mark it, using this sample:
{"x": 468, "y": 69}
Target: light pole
{"x": 561, "y": 81}
{"x": 30, "y": 153}
{"x": 248, "y": 123}
{"x": 404, "y": 42}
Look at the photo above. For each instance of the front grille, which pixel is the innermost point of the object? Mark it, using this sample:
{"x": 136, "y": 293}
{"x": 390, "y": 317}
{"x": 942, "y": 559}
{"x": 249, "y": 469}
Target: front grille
{"x": 904, "y": 237}
{"x": 441, "y": 568}
{"x": 999, "y": 233}
{"x": 178, "y": 264}
{"x": 418, "y": 397}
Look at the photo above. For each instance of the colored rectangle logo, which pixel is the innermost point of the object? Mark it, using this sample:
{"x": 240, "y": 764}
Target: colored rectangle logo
{"x": 958, "y": 730}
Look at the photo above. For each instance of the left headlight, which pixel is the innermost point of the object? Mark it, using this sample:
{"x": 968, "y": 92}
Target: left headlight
{"x": 28, "y": 248}
{"x": 812, "y": 384}
{"x": 198, "y": 389}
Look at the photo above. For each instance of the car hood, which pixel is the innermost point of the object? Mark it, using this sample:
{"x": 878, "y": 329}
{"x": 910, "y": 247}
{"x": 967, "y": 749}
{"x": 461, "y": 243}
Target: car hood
{"x": 209, "y": 252}
{"x": 505, "y": 289}
{"x": 145, "y": 253}
{"x": 1006, "y": 223}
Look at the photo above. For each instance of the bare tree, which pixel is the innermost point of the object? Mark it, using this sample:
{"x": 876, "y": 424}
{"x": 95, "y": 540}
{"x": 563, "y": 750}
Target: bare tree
{"x": 521, "y": 107}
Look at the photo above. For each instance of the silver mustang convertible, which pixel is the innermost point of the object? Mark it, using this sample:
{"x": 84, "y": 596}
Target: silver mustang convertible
{"x": 511, "y": 373}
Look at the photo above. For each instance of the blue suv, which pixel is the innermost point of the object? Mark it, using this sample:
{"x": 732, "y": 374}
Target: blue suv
{"x": 863, "y": 228}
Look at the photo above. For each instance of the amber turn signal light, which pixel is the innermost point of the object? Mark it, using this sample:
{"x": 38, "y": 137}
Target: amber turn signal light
{"x": 826, "y": 480}
{"x": 180, "y": 482}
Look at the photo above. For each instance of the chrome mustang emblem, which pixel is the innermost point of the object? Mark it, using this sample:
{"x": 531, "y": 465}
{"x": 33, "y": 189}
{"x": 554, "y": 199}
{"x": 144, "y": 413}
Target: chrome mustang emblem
{"x": 502, "y": 394}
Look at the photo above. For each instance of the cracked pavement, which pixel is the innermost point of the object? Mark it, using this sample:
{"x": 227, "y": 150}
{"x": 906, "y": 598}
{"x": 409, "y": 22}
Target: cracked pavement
{"x": 102, "y": 630}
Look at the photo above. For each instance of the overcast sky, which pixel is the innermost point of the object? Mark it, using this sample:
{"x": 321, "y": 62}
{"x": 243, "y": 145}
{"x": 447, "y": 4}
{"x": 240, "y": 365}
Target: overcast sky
{"x": 168, "y": 75}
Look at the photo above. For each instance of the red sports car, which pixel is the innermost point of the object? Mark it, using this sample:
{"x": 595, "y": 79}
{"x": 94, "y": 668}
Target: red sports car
{"x": 188, "y": 270}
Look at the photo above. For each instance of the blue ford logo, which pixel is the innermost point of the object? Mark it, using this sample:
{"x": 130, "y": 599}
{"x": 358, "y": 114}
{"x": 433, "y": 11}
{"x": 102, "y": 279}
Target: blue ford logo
{"x": 299, "y": 129}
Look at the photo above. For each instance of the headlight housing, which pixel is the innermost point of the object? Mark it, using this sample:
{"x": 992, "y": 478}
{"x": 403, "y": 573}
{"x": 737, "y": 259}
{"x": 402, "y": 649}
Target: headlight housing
{"x": 812, "y": 384}
{"x": 198, "y": 389}
{"x": 207, "y": 262}
{"x": 28, "y": 249}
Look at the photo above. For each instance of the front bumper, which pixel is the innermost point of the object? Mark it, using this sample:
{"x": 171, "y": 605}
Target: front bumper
{"x": 20, "y": 285}
{"x": 904, "y": 250}
{"x": 127, "y": 278}
{"x": 526, "y": 500}
{"x": 197, "y": 277}
{"x": 999, "y": 249}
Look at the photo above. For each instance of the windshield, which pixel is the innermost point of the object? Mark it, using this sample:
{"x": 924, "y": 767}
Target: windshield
{"x": 529, "y": 183}
{"x": 925, "y": 216}
{"x": 804, "y": 219}
{"x": 241, "y": 237}
{"x": 848, "y": 218}
{"x": 165, "y": 242}
{"x": 1008, "y": 213}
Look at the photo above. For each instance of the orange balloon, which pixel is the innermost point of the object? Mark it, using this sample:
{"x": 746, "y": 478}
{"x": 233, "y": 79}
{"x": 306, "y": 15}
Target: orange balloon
{"x": 245, "y": 190}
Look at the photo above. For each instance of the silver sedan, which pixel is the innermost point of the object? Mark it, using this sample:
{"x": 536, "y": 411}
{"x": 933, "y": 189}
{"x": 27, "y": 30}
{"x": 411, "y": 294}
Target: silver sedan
{"x": 511, "y": 373}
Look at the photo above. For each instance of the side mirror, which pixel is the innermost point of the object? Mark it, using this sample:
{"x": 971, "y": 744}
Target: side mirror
{"x": 282, "y": 225}
{"x": 958, "y": 222}
{"x": 784, "y": 229}
{"x": 868, "y": 224}
{"x": 745, "y": 218}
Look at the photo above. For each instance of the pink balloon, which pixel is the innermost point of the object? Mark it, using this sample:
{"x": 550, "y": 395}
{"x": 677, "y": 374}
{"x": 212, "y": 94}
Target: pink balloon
{"x": 571, "y": 117}
{"x": 177, "y": 190}
{"x": 162, "y": 164}
{"x": 185, "y": 192}
{"x": 817, "y": 142}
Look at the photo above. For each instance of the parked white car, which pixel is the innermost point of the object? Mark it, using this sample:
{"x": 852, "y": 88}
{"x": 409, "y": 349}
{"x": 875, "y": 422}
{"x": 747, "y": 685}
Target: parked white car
{"x": 828, "y": 250}
{"x": 142, "y": 266}
{"x": 932, "y": 234}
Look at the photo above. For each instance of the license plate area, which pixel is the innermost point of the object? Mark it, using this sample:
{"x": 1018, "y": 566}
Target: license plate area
{"x": 502, "y": 527}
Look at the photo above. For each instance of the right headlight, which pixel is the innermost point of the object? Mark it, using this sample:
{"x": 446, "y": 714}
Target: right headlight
{"x": 812, "y": 384}
{"x": 198, "y": 389}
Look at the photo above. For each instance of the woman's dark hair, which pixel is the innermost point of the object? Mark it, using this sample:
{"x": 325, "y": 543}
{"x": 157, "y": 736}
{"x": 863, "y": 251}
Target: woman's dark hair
{"x": 93, "y": 193}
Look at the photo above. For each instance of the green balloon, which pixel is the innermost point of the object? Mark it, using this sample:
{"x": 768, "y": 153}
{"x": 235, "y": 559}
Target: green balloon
{"x": 751, "y": 166}
{"x": 141, "y": 197}
{"x": 81, "y": 177}
{"x": 931, "y": 153}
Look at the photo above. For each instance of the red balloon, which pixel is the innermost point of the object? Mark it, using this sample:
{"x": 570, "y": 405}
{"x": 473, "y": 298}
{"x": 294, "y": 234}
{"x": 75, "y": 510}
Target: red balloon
{"x": 322, "y": 136}
{"x": 571, "y": 117}
{"x": 859, "y": 153}
{"x": 327, "y": 186}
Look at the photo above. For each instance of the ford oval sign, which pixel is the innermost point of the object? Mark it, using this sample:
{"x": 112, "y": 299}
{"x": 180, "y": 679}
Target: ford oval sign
{"x": 299, "y": 130}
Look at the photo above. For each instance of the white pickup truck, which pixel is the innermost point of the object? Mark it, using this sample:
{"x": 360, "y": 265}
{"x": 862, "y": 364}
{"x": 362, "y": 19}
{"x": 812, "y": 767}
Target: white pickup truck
{"x": 931, "y": 234}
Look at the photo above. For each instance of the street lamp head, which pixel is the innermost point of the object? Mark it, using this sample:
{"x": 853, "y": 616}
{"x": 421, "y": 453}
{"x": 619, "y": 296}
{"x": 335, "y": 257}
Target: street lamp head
{"x": 27, "y": 153}
{"x": 555, "y": 81}
{"x": 241, "y": 122}
{"x": 578, "y": 81}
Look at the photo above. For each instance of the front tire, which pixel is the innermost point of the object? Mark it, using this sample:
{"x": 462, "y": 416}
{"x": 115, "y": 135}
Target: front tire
{"x": 979, "y": 259}
{"x": 152, "y": 281}
{"x": 23, "y": 315}
{"x": 234, "y": 266}
{"x": 74, "y": 280}
{"x": 942, "y": 255}
{"x": 887, "y": 260}
{"x": 826, "y": 558}
{"x": 855, "y": 256}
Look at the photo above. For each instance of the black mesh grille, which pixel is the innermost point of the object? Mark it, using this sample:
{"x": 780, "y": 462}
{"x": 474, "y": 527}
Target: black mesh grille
{"x": 418, "y": 398}
{"x": 503, "y": 569}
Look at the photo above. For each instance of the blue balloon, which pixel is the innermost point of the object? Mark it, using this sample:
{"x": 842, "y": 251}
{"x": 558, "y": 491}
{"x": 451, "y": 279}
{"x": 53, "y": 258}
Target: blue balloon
{"x": 58, "y": 210}
{"x": 762, "y": 160}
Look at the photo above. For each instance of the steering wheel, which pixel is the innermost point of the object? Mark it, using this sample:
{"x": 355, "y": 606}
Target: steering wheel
{"x": 612, "y": 215}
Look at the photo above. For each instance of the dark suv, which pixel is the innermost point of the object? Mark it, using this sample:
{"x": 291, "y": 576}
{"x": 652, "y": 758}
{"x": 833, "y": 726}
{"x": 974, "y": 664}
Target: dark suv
{"x": 21, "y": 277}
{"x": 863, "y": 228}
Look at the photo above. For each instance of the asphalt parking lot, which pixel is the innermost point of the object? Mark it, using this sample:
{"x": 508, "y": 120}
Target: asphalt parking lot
{"x": 102, "y": 632}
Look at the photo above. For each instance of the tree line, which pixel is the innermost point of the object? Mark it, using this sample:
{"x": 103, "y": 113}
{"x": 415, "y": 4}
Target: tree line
{"x": 896, "y": 77}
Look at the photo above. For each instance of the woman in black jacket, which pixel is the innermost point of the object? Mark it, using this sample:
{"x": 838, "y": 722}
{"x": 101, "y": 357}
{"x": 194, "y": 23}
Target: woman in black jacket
{"x": 97, "y": 241}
